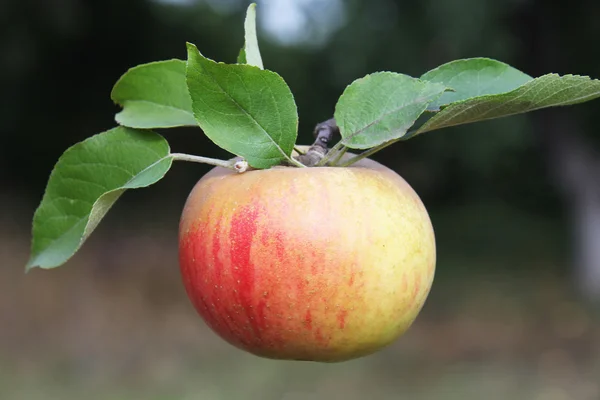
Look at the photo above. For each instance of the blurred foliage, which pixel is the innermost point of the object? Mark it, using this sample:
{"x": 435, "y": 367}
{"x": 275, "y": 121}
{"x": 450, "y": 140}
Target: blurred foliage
{"x": 61, "y": 58}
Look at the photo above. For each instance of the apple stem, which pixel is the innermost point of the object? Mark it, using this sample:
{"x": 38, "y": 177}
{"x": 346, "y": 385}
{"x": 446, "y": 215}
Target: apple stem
{"x": 324, "y": 133}
{"x": 235, "y": 164}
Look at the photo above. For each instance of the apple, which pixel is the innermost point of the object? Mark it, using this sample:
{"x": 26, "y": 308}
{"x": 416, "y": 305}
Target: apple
{"x": 322, "y": 264}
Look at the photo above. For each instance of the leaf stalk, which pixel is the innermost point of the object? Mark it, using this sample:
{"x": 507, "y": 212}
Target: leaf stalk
{"x": 235, "y": 165}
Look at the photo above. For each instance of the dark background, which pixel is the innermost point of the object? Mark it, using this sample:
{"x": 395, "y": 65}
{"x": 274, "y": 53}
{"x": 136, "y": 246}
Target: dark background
{"x": 515, "y": 203}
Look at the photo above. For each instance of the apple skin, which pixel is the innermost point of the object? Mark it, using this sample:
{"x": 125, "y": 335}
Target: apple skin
{"x": 320, "y": 264}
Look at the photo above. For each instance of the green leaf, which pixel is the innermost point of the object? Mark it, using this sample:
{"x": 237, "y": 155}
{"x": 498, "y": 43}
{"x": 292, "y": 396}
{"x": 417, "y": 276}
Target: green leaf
{"x": 243, "y": 109}
{"x": 88, "y": 178}
{"x": 250, "y": 53}
{"x": 381, "y": 107}
{"x": 241, "y": 59}
{"x": 474, "y": 77}
{"x": 546, "y": 91}
{"x": 154, "y": 95}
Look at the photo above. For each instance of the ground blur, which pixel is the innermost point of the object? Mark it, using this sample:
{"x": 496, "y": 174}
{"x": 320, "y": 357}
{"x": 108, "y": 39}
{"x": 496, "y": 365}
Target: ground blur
{"x": 114, "y": 323}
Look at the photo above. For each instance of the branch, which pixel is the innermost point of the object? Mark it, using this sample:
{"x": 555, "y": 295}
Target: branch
{"x": 325, "y": 133}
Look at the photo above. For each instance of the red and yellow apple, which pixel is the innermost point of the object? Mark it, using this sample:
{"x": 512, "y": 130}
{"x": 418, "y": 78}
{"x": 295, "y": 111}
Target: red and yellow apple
{"x": 322, "y": 264}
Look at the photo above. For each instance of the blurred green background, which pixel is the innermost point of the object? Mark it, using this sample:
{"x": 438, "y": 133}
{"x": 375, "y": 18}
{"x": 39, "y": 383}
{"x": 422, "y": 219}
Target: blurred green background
{"x": 513, "y": 313}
